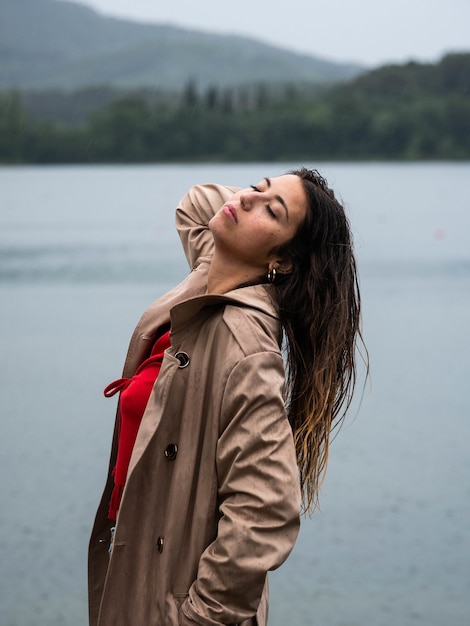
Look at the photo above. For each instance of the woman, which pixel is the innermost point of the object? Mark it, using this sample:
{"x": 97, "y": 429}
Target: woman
{"x": 207, "y": 498}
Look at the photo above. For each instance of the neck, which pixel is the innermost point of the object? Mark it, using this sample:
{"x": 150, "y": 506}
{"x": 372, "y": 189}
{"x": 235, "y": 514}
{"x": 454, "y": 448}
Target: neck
{"x": 224, "y": 275}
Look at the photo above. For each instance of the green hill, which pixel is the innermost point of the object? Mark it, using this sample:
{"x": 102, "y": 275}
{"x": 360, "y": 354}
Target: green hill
{"x": 409, "y": 112}
{"x": 449, "y": 76}
{"x": 48, "y": 44}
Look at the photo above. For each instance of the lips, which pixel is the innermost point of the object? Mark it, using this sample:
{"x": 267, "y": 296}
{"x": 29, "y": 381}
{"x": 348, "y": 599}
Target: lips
{"x": 230, "y": 212}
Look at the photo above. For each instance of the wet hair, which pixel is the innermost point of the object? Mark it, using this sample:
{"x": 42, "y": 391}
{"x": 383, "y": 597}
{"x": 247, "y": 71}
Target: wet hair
{"x": 319, "y": 308}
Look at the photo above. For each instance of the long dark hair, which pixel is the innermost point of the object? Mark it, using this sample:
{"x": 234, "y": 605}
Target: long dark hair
{"x": 319, "y": 307}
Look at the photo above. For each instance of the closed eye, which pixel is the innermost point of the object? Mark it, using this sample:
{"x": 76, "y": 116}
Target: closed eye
{"x": 271, "y": 212}
{"x": 268, "y": 208}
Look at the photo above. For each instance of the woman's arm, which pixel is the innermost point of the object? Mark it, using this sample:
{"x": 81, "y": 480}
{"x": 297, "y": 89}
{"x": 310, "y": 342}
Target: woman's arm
{"x": 193, "y": 214}
{"x": 259, "y": 496}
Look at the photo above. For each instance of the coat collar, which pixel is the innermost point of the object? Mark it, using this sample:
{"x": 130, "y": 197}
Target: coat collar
{"x": 183, "y": 303}
{"x": 257, "y": 297}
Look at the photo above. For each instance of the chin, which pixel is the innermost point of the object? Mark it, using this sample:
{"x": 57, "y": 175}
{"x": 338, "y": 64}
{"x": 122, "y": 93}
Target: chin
{"x": 216, "y": 225}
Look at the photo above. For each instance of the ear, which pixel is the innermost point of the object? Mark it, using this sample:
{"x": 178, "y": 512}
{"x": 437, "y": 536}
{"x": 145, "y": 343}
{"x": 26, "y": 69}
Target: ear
{"x": 283, "y": 265}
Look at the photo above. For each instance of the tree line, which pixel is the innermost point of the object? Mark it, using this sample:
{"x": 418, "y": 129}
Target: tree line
{"x": 404, "y": 112}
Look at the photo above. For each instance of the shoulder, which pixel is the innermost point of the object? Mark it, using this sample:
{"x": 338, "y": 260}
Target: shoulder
{"x": 252, "y": 329}
{"x": 246, "y": 317}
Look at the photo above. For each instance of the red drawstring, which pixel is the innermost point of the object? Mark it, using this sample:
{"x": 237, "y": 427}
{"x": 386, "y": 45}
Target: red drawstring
{"x": 115, "y": 386}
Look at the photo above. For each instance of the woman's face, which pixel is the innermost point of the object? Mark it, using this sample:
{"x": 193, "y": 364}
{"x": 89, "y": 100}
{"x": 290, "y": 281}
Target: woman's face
{"x": 255, "y": 222}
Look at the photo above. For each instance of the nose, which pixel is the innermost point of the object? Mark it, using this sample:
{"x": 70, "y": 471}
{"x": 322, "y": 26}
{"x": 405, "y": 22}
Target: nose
{"x": 246, "y": 200}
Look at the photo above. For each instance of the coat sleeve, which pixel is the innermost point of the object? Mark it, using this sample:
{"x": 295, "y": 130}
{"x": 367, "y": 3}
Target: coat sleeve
{"x": 259, "y": 496}
{"x": 193, "y": 214}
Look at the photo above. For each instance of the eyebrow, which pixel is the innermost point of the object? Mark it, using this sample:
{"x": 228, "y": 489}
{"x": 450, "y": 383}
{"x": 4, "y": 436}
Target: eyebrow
{"x": 278, "y": 198}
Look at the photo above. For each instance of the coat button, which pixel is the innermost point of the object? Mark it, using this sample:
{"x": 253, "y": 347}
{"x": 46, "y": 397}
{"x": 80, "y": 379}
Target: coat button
{"x": 171, "y": 451}
{"x": 183, "y": 358}
{"x": 160, "y": 544}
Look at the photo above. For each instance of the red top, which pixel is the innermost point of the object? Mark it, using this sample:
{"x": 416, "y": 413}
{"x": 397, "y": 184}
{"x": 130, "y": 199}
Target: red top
{"x": 135, "y": 393}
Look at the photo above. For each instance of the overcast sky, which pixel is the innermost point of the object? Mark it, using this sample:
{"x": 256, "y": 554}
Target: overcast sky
{"x": 371, "y": 32}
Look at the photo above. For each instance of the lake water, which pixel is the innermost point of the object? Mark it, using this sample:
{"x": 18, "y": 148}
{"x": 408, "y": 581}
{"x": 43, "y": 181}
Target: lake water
{"x": 83, "y": 250}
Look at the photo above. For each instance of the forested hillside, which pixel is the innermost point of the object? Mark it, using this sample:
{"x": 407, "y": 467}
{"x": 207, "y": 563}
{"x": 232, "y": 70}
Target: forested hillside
{"x": 413, "y": 111}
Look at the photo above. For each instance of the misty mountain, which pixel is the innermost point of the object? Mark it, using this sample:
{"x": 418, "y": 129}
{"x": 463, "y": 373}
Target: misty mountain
{"x": 49, "y": 44}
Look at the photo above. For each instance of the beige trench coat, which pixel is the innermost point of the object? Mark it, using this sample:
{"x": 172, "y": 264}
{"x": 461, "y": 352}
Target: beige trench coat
{"x": 212, "y": 498}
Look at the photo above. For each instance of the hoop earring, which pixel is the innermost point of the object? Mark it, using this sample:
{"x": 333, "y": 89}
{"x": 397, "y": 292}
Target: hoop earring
{"x": 271, "y": 275}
